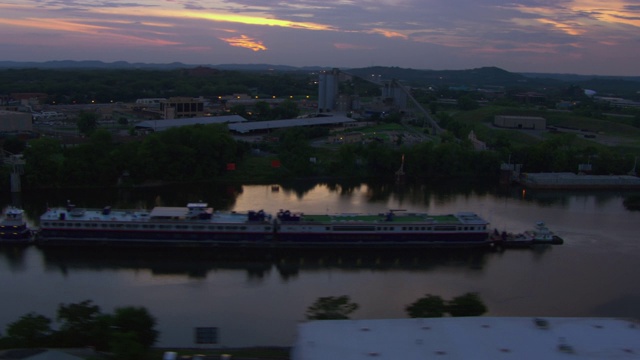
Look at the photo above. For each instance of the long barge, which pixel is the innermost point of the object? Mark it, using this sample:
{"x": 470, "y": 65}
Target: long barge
{"x": 390, "y": 229}
{"x": 198, "y": 225}
{"x": 193, "y": 225}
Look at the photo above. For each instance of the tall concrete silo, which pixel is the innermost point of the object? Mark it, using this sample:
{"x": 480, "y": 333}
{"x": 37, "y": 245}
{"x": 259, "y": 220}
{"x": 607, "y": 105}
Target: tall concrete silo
{"x": 328, "y": 90}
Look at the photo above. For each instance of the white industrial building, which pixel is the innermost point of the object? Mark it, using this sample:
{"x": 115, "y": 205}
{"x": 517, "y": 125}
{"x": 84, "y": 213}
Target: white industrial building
{"x": 476, "y": 338}
{"x": 13, "y": 121}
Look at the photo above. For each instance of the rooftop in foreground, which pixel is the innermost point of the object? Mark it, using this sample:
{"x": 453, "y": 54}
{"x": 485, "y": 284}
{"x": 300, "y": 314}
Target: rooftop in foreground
{"x": 469, "y": 338}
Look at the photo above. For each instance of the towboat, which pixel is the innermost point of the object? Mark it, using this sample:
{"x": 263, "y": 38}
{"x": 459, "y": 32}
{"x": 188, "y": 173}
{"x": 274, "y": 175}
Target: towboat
{"x": 14, "y": 229}
{"x": 537, "y": 236}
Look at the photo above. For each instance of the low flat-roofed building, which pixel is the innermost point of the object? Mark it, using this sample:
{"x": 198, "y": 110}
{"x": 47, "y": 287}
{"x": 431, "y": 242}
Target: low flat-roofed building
{"x": 161, "y": 125}
{"x": 251, "y": 126}
{"x": 520, "y": 122}
{"x": 475, "y": 338}
{"x": 12, "y": 121}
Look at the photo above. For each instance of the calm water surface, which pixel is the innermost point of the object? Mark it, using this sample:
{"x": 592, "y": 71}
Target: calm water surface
{"x": 257, "y": 298}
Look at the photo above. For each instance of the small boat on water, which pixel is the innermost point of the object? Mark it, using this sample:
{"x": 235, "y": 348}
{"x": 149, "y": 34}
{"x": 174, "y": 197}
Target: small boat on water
{"x": 14, "y": 229}
{"x": 539, "y": 235}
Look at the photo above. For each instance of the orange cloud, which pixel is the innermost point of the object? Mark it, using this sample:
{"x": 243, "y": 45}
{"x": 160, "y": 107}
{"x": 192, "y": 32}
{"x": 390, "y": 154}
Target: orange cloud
{"x": 388, "y": 33}
{"x": 245, "y": 42}
{"x": 567, "y": 28}
{"x": 52, "y": 24}
{"x": 445, "y": 39}
{"x": 611, "y": 11}
{"x": 219, "y": 17}
{"x": 583, "y": 13}
{"x": 345, "y": 46}
{"x": 108, "y": 34}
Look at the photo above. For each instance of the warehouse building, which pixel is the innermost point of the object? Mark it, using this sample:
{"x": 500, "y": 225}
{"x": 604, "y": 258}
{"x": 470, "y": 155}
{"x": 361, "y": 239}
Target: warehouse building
{"x": 12, "y": 121}
{"x": 265, "y": 126}
{"x": 520, "y": 122}
{"x": 161, "y": 125}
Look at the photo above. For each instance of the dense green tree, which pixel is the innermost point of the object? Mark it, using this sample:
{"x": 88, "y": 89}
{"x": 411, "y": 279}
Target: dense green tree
{"x": 467, "y": 103}
{"x": 468, "y": 304}
{"x": 91, "y": 163}
{"x": 128, "y": 333}
{"x": 87, "y": 122}
{"x": 125, "y": 346}
{"x": 288, "y": 109}
{"x": 82, "y": 324}
{"x": 393, "y": 117}
{"x": 44, "y": 163}
{"x": 346, "y": 161}
{"x": 137, "y": 321}
{"x": 262, "y": 111}
{"x": 31, "y": 330}
{"x": 14, "y": 145}
{"x": 426, "y": 307}
{"x": 239, "y": 110}
{"x": 331, "y": 308}
{"x": 295, "y": 152}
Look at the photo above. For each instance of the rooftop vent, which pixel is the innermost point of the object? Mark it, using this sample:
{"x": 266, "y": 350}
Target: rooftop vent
{"x": 541, "y": 323}
{"x": 565, "y": 348}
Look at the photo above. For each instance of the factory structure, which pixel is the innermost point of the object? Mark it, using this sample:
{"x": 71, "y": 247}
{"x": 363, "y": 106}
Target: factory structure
{"x": 328, "y": 90}
{"x": 393, "y": 94}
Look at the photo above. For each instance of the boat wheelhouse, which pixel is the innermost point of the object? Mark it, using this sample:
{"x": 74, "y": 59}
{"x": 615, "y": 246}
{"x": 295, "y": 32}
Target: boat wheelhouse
{"x": 193, "y": 225}
{"x": 13, "y": 228}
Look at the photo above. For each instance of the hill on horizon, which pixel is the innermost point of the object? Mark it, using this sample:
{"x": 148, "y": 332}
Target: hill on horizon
{"x": 464, "y": 79}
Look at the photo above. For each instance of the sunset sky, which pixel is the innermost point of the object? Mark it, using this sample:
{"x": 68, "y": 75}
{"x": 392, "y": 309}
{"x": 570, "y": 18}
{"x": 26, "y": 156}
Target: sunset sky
{"x": 554, "y": 36}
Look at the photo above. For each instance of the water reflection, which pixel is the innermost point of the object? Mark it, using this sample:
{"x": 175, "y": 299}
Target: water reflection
{"x": 592, "y": 274}
{"x": 225, "y": 196}
{"x": 564, "y": 198}
{"x": 198, "y": 263}
{"x": 14, "y": 257}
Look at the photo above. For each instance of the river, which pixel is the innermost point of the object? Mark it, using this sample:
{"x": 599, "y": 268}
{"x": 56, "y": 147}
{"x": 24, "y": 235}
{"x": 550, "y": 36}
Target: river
{"x": 257, "y": 298}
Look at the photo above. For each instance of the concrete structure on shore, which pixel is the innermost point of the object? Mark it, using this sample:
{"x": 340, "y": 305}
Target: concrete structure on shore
{"x": 566, "y": 180}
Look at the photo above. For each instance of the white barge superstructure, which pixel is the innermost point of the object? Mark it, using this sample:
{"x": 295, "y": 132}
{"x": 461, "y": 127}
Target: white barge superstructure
{"x": 193, "y": 225}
